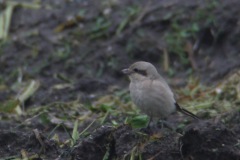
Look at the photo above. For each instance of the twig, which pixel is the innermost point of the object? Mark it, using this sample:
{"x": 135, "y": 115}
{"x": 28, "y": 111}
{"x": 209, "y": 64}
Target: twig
{"x": 104, "y": 118}
{"x": 180, "y": 149}
{"x": 155, "y": 156}
{"x": 189, "y": 49}
{"x": 87, "y": 127}
{"x": 66, "y": 130}
{"x": 145, "y": 10}
{"x": 165, "y": 57}
{"x": 24, "y": 154}
{"x": 40, "y": 140}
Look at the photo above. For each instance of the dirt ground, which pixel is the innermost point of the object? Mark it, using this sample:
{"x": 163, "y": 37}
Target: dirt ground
{"x": 72, "y": 51}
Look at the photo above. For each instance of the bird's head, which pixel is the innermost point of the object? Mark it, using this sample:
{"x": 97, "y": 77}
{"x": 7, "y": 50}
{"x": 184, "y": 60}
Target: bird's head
{"x": 140, "y": 71}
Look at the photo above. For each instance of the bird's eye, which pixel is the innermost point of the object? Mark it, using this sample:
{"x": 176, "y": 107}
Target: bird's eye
{"x": 135, "y": 70}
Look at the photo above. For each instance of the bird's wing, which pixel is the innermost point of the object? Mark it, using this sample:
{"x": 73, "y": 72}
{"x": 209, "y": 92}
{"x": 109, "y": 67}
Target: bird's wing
{"x": 160, "y": 96}
{"x": 163, "y": 94}
{"x": 162, "y": 91}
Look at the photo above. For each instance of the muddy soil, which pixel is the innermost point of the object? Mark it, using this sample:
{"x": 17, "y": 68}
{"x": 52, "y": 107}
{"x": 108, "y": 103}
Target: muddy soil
{"x": 204, "y": 140}
{"x": 89, "y": 54}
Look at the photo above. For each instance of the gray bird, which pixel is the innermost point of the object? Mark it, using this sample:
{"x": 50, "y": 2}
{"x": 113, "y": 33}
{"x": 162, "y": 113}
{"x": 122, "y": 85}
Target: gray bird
{"x": 151, "y": 93}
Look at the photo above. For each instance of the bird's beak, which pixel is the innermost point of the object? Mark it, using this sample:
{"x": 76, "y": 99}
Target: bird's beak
{"x": 126, "y": 71}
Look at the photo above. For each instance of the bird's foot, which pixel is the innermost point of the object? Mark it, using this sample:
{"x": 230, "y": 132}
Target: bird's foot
{"x": 147, "y": 130}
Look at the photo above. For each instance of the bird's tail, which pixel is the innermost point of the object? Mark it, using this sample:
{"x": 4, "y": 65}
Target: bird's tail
{"x": 184, "y": 111}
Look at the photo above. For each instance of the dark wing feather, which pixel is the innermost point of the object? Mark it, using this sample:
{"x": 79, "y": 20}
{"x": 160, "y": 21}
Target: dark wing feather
{"x": 184, "y": 111}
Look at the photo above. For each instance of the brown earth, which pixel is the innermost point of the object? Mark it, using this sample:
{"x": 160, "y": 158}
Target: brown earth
{"x": 205, "y": 140}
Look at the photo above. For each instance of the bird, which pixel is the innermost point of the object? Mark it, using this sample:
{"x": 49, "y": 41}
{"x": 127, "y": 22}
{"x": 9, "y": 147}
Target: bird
{"x": 151, "y": 93}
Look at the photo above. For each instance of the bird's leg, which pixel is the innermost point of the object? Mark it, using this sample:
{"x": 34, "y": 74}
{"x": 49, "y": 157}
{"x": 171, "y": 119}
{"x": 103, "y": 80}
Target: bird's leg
{"x": 148, "y": 130}
{"x": 148, "y": 126}
{"x": 162, "y": 123}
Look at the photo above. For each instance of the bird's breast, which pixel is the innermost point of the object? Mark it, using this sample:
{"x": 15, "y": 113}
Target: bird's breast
{"x": 137, "y": 95}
